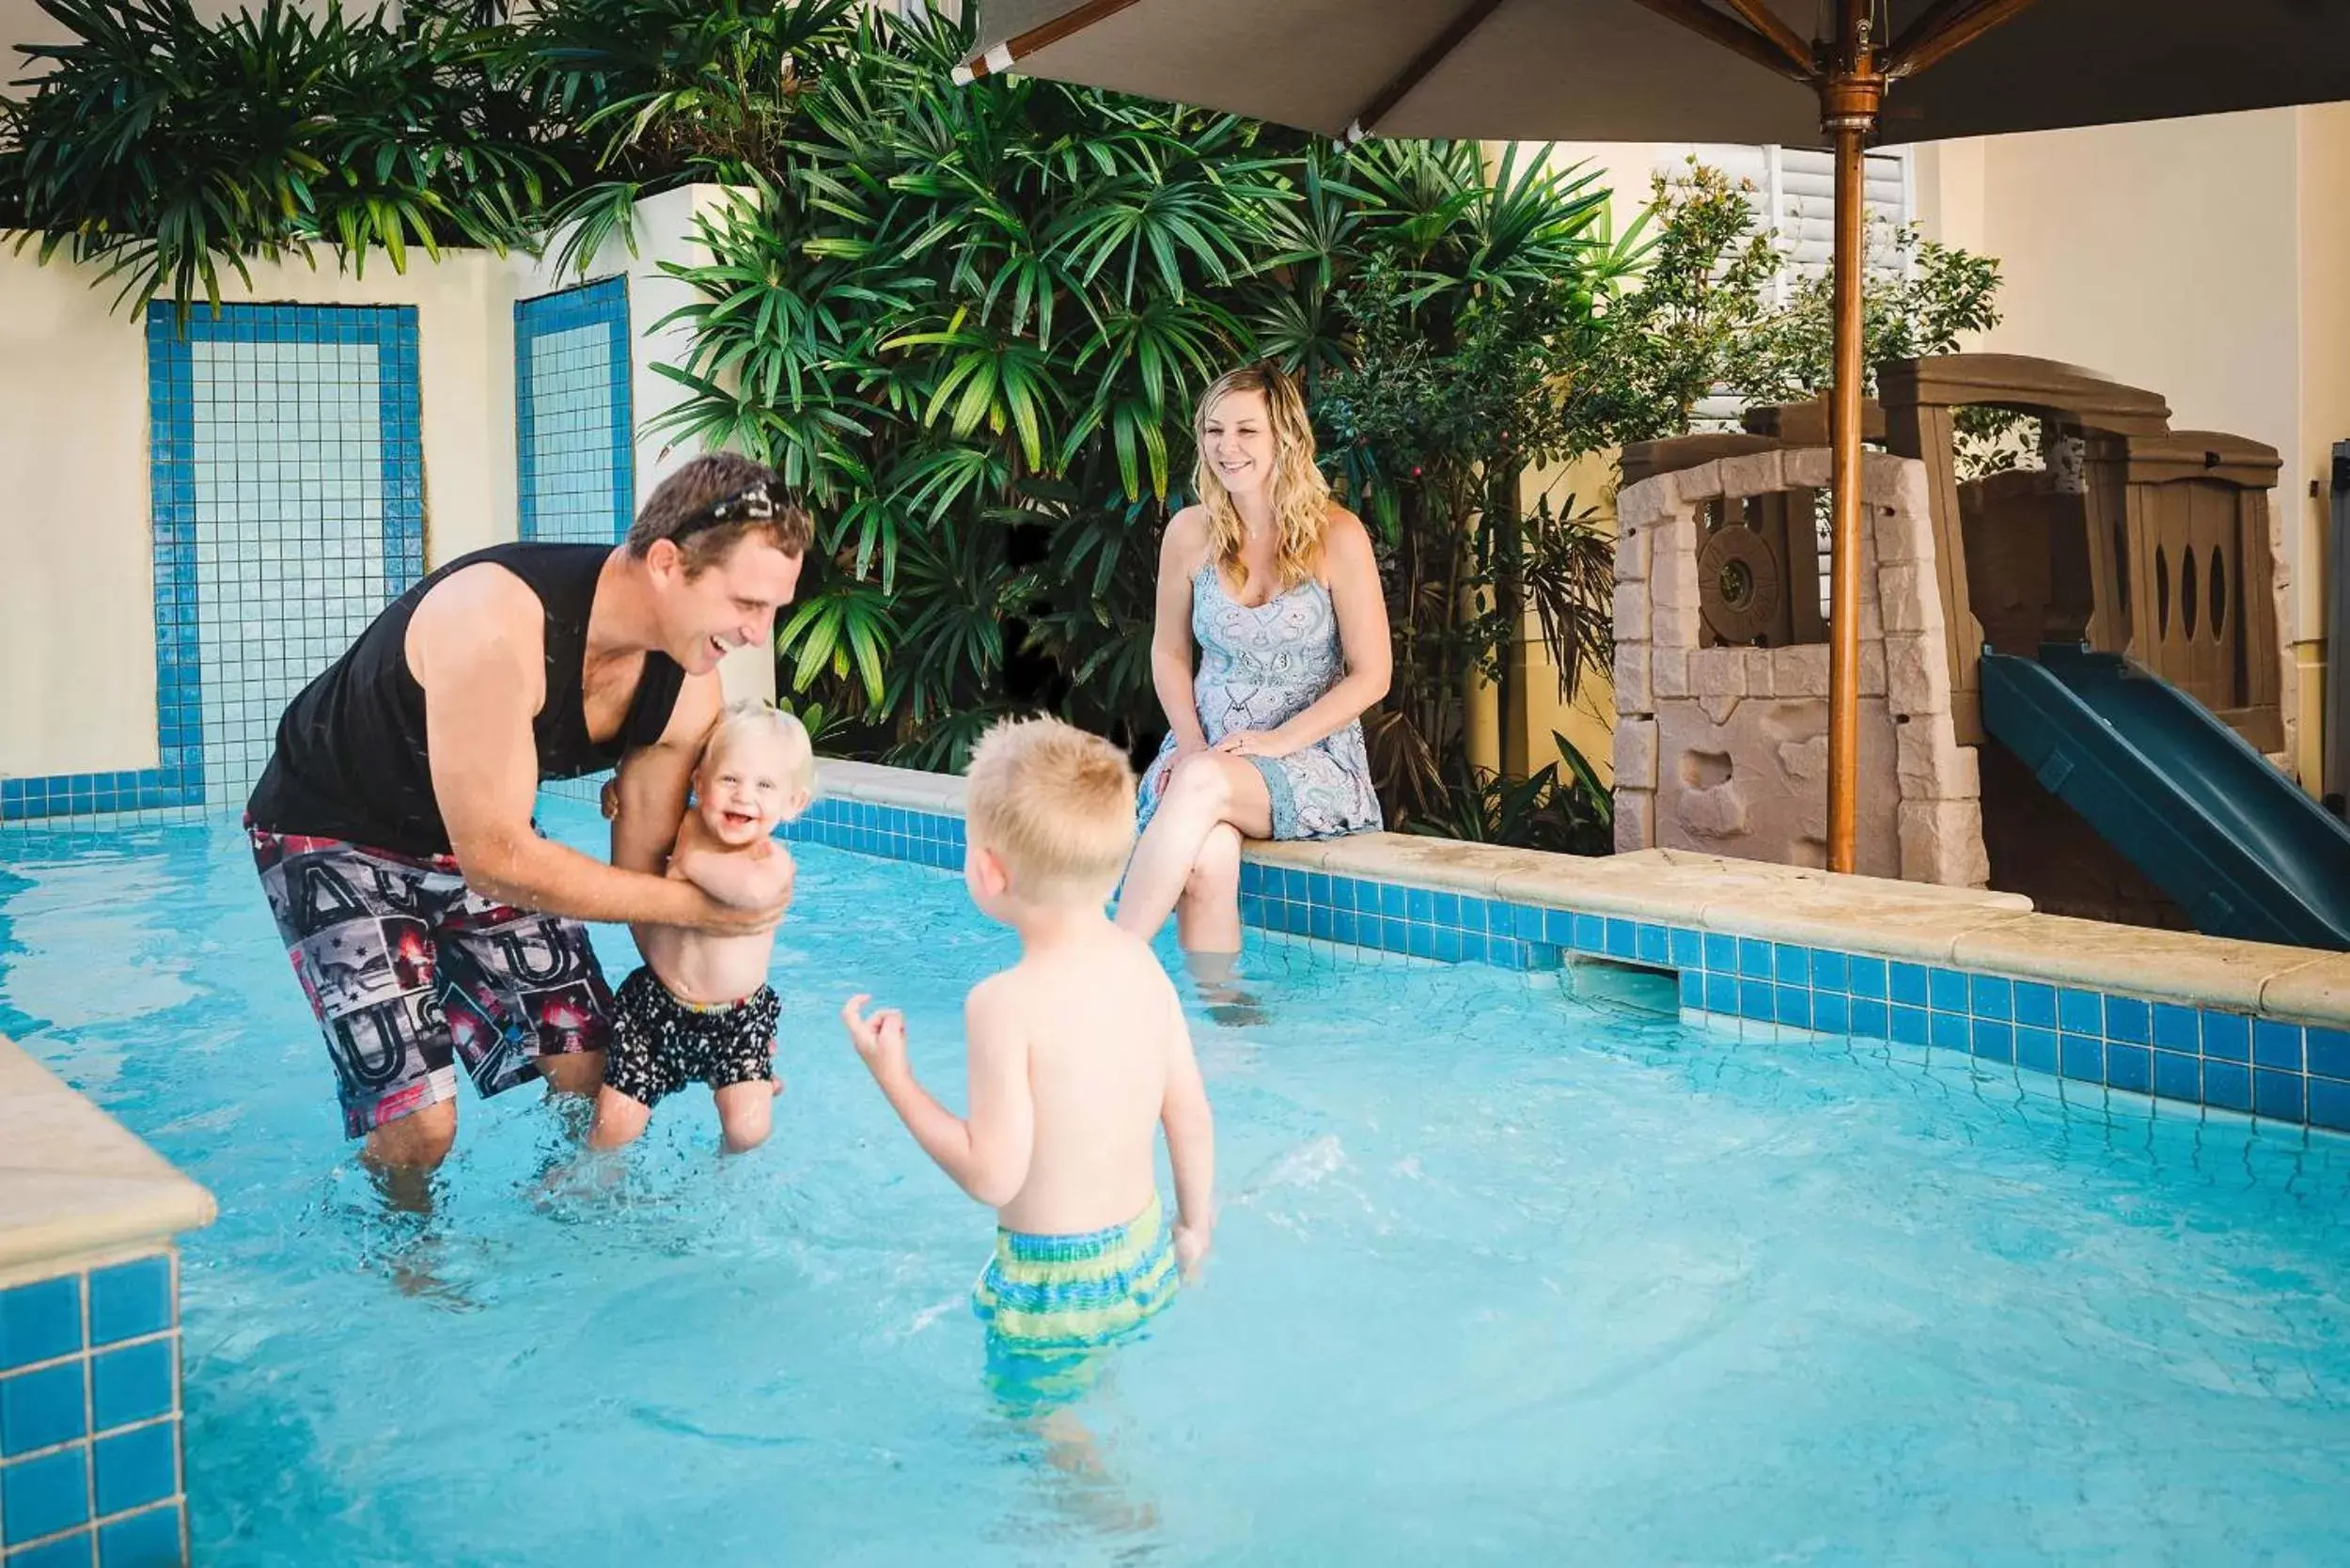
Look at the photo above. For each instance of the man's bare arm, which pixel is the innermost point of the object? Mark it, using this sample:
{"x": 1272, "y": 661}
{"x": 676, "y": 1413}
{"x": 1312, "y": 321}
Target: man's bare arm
{"x": 650, "y": 789}
{"x": 475, "y": 646}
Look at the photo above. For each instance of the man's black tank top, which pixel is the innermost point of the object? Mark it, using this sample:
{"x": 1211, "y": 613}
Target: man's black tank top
{"x": 351, "y": 762}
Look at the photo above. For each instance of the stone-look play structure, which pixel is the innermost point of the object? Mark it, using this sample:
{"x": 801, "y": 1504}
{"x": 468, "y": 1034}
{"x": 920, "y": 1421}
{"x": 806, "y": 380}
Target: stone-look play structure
{"x": 2130, "y": 538}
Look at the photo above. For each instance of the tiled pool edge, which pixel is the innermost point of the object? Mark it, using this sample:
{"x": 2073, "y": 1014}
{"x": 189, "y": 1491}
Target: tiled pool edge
{"x": 90, "y": 1468}
{"x": 2234, "y": 1025}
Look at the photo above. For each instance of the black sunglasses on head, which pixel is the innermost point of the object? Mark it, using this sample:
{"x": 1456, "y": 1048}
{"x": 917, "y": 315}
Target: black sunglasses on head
{"x": 756, "y": 504}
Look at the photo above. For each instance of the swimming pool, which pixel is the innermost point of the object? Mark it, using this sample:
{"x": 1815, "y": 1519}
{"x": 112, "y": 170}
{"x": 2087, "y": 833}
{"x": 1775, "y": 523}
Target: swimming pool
{"x": 1502, "y": 1276}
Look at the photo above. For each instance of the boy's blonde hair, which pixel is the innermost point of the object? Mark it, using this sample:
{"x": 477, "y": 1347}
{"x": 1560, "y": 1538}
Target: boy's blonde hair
{"x": 1055, "y": 803}
{"x": 741, "y": 720}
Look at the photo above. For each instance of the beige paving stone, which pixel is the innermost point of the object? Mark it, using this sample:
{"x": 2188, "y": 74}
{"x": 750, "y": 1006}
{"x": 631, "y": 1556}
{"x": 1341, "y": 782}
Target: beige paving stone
{"x": 72, "y": 1179}
{"x": 873, "y": 783}
{"x": 2316, "y": 991}
{"x": 2165, "y": 966}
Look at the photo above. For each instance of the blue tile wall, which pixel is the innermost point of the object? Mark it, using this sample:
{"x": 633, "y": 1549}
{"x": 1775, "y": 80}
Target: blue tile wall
{"x": 575, "y": 437}
{"x": 287, "y": 476}
{"x": 89, "y": 1418}
{"x": 2270, "y": 1068}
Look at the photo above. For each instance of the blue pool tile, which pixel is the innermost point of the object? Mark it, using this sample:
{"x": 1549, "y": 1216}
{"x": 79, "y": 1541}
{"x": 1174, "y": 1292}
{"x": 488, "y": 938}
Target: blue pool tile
{"x": 1688, "y": 948}
{"x": 1448, "y": 910}
{"x": 1395, "y": 935}
{"x": 2178, "y": 1077}
{"x": 2226, "y": 1036}
{"x": 2130, "y": 1067}
{"x": 2128, "y": 1020}
{"x": 2036, "y": 1049}
{"x": 1793, "y": 1007}
{"x": 2227, "y": 1085}
{"x": 1871, "y": 1020}
{"x": 2329, "y": 1051}
{"x": 1508, "y": 952}
{"x": 1831, "y": 1013}
{"x": 1869, "y": 979}
{"x": 2083, "y": 1057}
{"x": 1907, "y": 982}
{"x": 1651, "y": 944}
{"x": 1419, "y": 905}
{"x": 1754, "y": 959}
{"x": 1830, "y": 971}
{"x": 41, "y": 1496}
{"x": 1693, "y": 989}
{"x": 2276, "y": 1045}
{"x": 1322, "y": 922}
{"x": 1791, "y": 964}
{"x": 1721, "y": 952}
{"x": 41, "y": 1409}
{"x": 1621, "y": 938}
{"x": 1994, "y": 1041}
{"x": 2279, "y": 1095}
{"x": 1946, "y": 991}
{"x": 2081, "y": 1012}
{"x": 1909, "y": 1025}
{"x": 1756, "y": 1000}
{"x": 1525, "y": 922}
{"x": 1590, "y": 934}
{"x": 136, "y": 1468}
{"x": 1721, "y": 993}
{"x": 148, "y": 1540}
{"x": 1419, "y": 939}
{"x": 2329, "y": 1104}
{"x": 1558, "y": 928}
{"x": 65, "y": 1551}
{"x": 1947, "y": 1032}
{"x": 1475, "y": 947}
{"x": 1344, "y": 927}
{"x": 40, "y": 1321}
{"x": 2176, "y": 1027}
{"x": 1989, "y": 996}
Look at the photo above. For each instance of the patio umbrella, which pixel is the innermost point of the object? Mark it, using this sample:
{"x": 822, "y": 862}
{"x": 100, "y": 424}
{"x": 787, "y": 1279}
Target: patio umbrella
{"x": 1790, "y": 71}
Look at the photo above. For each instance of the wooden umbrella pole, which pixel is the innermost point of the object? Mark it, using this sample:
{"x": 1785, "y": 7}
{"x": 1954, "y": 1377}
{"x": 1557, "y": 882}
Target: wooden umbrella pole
{"x": 1849, "y": 98}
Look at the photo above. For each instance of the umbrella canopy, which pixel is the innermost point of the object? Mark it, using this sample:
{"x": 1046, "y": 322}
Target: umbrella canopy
{"x": 1791, "y": 71}
{"x": 1629, "y": 71}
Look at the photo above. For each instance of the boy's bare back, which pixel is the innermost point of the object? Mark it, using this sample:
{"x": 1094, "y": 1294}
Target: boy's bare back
{"x": 1102, "y": 1034}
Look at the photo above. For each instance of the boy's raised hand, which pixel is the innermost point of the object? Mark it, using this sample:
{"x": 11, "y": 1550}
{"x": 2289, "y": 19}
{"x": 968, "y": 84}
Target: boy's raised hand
{"x": 880, "y": 1039}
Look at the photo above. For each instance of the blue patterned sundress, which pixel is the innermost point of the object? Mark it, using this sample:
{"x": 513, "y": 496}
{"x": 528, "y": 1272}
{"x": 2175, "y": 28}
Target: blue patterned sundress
{"x": 1259, "y": 666}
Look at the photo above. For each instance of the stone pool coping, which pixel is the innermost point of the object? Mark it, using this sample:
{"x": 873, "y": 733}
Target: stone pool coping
{"x": 1917, "y": 923}
{"x": 77, "y": 1188}
{"x": 1780, "y": 952}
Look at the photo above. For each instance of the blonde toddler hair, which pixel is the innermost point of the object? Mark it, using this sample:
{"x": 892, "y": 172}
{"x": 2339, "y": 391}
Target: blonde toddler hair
{"x": 741, "y": 720}
{"x": 1055, "y": 805}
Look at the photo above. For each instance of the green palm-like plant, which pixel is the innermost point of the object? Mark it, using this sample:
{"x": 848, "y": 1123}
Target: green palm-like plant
{"x": 165, "y": 148}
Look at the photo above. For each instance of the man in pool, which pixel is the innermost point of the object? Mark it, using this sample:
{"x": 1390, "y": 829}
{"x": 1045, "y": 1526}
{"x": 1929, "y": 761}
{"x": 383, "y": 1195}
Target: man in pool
{"x": 428, "y": 921}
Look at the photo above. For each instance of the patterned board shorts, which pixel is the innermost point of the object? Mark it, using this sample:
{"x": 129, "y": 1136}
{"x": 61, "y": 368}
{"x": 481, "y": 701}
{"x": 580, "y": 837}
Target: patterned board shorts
{"x": 408, "y": 971}
{"x": 1053, "y": 1305}
{"x": 661, "y": 1044}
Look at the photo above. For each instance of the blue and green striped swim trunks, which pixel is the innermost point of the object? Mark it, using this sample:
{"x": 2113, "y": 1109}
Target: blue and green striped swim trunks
{"x": 1050, "y": 1301}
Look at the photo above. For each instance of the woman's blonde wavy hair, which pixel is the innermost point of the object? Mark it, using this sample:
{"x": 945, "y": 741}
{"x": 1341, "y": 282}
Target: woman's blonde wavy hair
{"x": 1300, "y": 495}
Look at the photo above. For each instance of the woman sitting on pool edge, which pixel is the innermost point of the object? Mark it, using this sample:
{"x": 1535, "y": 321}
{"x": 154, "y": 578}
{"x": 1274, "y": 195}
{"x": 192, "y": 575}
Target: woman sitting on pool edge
{"x": 1275, "y": 585}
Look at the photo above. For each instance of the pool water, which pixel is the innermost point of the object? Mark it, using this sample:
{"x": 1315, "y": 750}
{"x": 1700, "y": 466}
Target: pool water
{"x": 1502, "y": 1276}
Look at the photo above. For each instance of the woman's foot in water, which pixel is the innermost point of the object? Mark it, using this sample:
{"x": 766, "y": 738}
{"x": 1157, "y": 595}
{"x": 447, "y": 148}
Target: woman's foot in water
{"x": 1229, "y": 1003}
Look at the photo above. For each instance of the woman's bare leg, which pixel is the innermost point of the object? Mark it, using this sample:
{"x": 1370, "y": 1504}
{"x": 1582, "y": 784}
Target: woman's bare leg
{"x": 1207, "y": 791}
{"x": 1207, "y": 916}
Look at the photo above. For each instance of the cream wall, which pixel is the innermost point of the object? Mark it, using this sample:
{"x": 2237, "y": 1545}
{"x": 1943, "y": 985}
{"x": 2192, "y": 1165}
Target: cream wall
{"x": 77, "y": 620}
{"x": 77, "y": 632}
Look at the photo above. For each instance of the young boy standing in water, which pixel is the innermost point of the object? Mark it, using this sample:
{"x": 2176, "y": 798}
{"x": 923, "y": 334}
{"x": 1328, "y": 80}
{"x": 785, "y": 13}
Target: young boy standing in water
{"x": 1078, "y": 1054}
